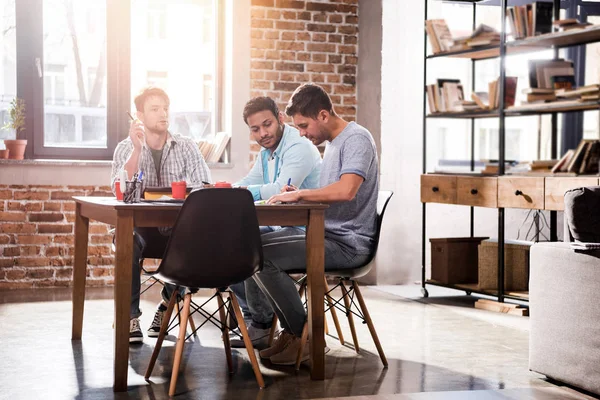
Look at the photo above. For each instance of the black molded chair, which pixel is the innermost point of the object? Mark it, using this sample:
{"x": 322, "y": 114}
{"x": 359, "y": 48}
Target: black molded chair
{"x": 215, "y": 227}
{"x": 350, "y": 308}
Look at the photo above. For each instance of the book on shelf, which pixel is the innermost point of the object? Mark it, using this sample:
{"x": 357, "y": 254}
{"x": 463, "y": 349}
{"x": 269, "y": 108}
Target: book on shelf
{"x": 213, "y": 150}
{"x": 510, "y": 92}
{"x": 542, "y": 14}
{"x": 578, "y": 92}
{"x": 570, "y": 23}
{"x": 439, "y": 35}
{"x": 530, "y": 19}
{"x": 481, "y": 99}
{"x": 446, "y": 95}
{"x": 541, "y": 72}
{"x": 579, "y": 155}
{"x": 484, "y": 35}
{"x": 561, "y": 165}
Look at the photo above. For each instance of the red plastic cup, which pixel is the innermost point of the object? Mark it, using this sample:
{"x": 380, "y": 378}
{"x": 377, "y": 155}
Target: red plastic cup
{"x": 118, "y": 190}
{"x": 222, "y": 184}
{"x": 178, "y": 189}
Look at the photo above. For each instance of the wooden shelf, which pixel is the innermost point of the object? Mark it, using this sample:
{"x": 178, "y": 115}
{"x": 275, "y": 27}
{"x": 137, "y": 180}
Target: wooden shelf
{"x": 568, "y": 38}
{"x": 474, "y": 288}
{"x": 523, "y": 110}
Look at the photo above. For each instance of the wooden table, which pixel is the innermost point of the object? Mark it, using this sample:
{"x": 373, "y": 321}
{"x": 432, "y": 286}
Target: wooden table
{"x": 127, "y": 216}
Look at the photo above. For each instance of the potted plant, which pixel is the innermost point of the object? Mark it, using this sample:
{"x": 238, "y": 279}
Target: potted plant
{"x": 16, "y": 122}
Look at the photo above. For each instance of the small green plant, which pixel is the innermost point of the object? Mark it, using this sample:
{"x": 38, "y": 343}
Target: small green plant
{"x": 16, "y": 115}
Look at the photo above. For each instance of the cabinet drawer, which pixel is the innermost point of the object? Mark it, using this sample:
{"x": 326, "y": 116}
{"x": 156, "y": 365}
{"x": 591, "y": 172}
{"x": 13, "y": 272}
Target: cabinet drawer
{"x": 438, "y": 189}
{"x": 521, "y": 192}
{"x": 556, "y": 187}
{"x": 477, "y": 191}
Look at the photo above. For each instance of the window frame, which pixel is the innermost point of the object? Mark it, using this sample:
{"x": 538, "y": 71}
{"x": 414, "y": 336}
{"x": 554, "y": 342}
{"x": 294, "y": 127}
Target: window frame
{"x": 30, "y": 85}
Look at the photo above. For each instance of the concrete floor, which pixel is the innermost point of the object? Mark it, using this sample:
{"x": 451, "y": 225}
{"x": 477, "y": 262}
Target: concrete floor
{"x": 439, "y": 344}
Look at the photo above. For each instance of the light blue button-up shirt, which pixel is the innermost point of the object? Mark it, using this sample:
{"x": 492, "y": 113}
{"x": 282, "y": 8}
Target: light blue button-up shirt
{"x": 295, "y": 157}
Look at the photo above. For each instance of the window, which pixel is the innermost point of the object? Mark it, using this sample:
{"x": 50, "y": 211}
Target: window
{"x": 8, "y": 63}
{"x": 186, "y": 73}
{"x": 80, "y": 84}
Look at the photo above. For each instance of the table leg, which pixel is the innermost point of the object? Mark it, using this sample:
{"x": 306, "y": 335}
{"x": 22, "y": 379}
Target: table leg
{"x": 79, "y": 272}
{"x": 315, "y": 259}
{"x": 122, "y": 297}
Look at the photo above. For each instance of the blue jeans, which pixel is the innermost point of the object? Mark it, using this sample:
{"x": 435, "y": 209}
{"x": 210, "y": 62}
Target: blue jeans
{"x": 284, "y": 251}
{"x": 253, "y": 302}
{"x": 141, "y": 238}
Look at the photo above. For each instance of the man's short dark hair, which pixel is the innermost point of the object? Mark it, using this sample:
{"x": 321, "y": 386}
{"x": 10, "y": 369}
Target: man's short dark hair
{"x": 309, "y": 100}
{"x": 146, "y": 93}
{"x": 258, "y": 104}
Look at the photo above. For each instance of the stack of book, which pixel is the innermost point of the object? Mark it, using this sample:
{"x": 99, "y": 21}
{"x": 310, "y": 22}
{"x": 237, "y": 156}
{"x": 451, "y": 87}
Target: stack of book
{"x": 582, "y": 93}
{"x": 491, "y": 99}
{"x": 212, "y": 150}
{"x": 570, "y": 23}
{"x": 446, "y": 95}
{"x": 530, "y": 20}
{"x": 484, "y": 35}
{"x": 582, "y": 160}
{"x": 551, "y": 74}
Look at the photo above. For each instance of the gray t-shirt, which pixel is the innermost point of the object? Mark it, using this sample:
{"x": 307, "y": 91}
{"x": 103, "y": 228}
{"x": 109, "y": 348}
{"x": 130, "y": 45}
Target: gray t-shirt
{"x": 352, "y": 223}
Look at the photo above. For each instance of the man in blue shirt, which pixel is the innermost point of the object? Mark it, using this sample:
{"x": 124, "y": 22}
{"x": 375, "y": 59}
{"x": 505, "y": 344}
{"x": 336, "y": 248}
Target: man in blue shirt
{"x": 286, "y": 158}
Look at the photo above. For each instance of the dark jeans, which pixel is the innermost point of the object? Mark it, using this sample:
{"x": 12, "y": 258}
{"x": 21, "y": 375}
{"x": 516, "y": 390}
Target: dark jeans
{"x": 285, "y": 250}
{"x": 147, "y": 243}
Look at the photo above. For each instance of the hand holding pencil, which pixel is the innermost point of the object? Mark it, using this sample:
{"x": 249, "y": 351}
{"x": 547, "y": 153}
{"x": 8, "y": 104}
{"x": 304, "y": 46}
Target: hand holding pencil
{"x": 137, "y": 133}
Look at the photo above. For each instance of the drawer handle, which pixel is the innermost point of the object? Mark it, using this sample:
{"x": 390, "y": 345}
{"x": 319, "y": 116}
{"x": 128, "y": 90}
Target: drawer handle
{"x": 518, "y": 193}
{"x": 473, "y": 191}
{"x": 435, "y": 189}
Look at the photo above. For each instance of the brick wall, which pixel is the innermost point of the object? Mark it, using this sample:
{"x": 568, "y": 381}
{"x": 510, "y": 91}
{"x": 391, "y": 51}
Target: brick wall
{"x": 297, "y": 41}
{"x": 37, "y": 237}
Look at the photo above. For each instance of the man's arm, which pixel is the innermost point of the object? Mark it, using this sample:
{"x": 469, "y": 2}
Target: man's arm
{"x": 254, "y": 177}
{"x": 343, "y": 190}
{"x": 120, "y": 157}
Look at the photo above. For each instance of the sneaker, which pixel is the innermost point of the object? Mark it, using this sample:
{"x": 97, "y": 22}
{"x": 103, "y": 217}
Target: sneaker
{"x": 290, "y": 352}
{"x": 154, "y": 329}
{"x": 259, "y": 338}
{"x": 279, "y": 344}
{"x": 135, "y": 332}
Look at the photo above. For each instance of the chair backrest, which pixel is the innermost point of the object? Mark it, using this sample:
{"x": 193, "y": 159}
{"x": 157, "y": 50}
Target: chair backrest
{"x": 215, "y": 241}
{"x": 383, "y": 198}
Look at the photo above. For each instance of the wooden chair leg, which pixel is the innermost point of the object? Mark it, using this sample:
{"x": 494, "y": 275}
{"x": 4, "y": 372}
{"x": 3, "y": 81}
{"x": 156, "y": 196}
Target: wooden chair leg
{"x": 192, "y": 325}
{"x": 333, "y": 315}
{"x": 303, "y": 340}
{"x": 365, "y": 312}
{"x": 225, "y": 332}
{"x": 273, "y": 329}
{"x": 161, "y": 335}
{"x": 349, "y": 315}
{"x": 180, "y": 342}
{"x": 247, "y": 342}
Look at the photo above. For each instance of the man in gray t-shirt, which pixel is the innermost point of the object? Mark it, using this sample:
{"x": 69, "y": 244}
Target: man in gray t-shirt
{"x": 349, "y": 184}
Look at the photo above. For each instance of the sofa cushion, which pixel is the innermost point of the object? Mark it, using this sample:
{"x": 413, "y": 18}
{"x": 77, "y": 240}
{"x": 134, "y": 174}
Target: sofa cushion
{"x": 582, "y": 211}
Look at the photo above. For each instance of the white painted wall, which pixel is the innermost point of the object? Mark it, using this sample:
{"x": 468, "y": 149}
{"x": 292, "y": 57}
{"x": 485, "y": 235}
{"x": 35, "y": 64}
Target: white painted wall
{"x": 399, "y": 257}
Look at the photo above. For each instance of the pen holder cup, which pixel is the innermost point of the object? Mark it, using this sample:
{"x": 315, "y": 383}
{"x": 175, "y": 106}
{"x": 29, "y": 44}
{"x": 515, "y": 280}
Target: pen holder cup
{"x": 133, "y": 192}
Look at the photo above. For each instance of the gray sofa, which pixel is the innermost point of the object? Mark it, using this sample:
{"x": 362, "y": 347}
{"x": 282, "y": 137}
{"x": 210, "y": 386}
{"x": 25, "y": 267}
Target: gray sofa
{"x": 564, "y": 299}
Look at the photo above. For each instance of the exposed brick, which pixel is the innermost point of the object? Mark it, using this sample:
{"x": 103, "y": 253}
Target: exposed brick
{"x": 41, "y": 195}
{"x": 272, "y": 76}
{"x": 273, "y": 14}
{"x": 322, "y": 17}
{"x": 347, "y": 49}
{"x": 348, "y": 29}
{"x": 61, "y": 262}
{"x": 346, "y": 110}
{"x": 98, "y": 229}
{"x": 351, "y": 19}
{"x": 334, "y": 98}
{"x": 289, "y": 15}
{"x": 30, "y": 250}
{"x": 70, "y": 217}
{"x": 104, "y": 188}
{"x": 7, "y": 262}
{"x": 46, "y": 217}
{"x": 11, "y": 227}
{"x": 343, "y": 89}
{"x": 346, "y": 69}
{"x": 288, "y": 56}
{"x": 263, "y": 3}
{"x": 95, "y": 260}
{"x": 320, "y": 28}
{"x": 351, "y": 60}
{"x": 318, "y": 57}
{"x": 24, "y": 206}
{"x": 328, "y": 7}
{"x": 34, "y": 239}
{"x": 56, "y": 251}
{"x": 262, "y": 64}
{"x": 98, "y": 272}
{"x": 6, "y": 194}
{"x": 101, "y": 193}
{"x": 320, "y": 68}
{"x": 65, "y": 239}
{"x": 16, "y": 285}
{"x": 302, "y": 36}
{"x": 81, "y": 187}
{"x": 257, "y": 74}
{"x": 257, "y": 13}
{"x": 15, "y": 274}
{"x": 304, "y": 16}
{"x": 321, "y": 47}
{"x": 256, "y": 34}
{"x": 64, "y": 273}
{"x": 285, "y": 86}
{"x": 4, "y": 239}
{"x": 335, "y": 18}
{"x": 350, "y": 80}
{"x": 52, "y": 205}
{"x": 68, "y": 206}
{"x": 303, "y": 56}
{"x": 99, "y": 250}
{"x": 39, "y": 273}
{"x": 283, "y": 66}
{"x": 296, "y": 46}
{"x": 300, "y": 5}
{"x": 272, "y": 35}
{"x": 32, "y": 261}
{"x": 100, "y": 239}
{"x": 12, "y": 216}
{"x": 291, "y": 26}
{"x": 335, "y": 59}
{"x": 55, "y": 228}
{"x": 335, "y": 38}
{"x": 262, "y": 23}
{"x": 350, "y": 39}
{"x": 12, "y": 251}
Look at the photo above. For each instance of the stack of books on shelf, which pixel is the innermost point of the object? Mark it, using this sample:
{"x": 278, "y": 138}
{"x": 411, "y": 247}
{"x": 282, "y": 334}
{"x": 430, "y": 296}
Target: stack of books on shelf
{"x": 582, "y": 160}
{"x": 569, "y": 24}
{"x": 212, "y": 150}
{"x": 441, "y": 40}
{"x": 530, "y": 20}
{"x": 535, "y": 167}
{"x": 581, "y": 94}
{"x": 446, "y": 95}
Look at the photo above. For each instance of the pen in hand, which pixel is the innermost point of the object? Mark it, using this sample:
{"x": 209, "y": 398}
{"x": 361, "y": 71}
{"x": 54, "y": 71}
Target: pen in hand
{"x": 136, "y": 120}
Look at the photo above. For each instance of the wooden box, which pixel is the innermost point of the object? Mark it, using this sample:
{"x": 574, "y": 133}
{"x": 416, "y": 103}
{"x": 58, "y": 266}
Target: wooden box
{"x": 454, "y": 260}
{"x": 516, "y": 265}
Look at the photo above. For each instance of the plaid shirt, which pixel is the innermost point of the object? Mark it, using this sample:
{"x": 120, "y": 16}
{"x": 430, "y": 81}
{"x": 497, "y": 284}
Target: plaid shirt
{"x": 181, "y": 161}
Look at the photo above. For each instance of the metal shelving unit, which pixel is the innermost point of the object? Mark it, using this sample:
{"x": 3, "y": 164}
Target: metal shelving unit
{"x": 555, "y": 40}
